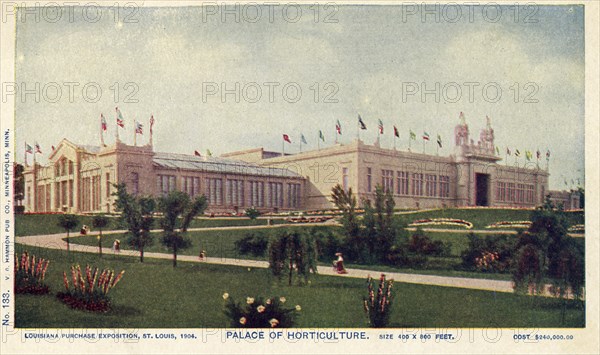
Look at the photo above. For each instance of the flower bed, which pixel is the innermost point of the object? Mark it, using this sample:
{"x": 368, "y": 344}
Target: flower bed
{"x": 89, "y": 290}
{"x": 260, "y": 313}
{"x": 577, "y": 228}
{"x": 441, "y": 222}
{"x": 308, "y": 219}
{"x": 510, "y": 224}
{"x": 30, "y": 274}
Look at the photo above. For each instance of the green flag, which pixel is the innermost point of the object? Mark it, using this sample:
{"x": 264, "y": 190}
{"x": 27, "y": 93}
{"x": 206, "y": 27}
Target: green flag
{"x": 321, "y": 136}
{"x": 413, "y": 136}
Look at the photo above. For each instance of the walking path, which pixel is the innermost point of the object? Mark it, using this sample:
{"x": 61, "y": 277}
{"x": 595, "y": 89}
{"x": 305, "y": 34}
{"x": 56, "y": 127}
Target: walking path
{"x": 55, "y": 241}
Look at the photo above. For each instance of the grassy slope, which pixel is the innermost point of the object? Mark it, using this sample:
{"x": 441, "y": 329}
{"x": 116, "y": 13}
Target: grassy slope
{"x": 46, "y": 224}
{"x": 154, "y": 294}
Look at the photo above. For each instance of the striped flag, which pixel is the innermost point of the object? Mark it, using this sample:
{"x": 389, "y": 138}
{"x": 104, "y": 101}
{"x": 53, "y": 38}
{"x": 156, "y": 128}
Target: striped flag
{"x": 103, "y": 122}
{"x": 321, "y": 136}
{"x": 338, "y": 127}
{"x": 28, "y": 148}
{"x": 380, "y": 127}
{"x": 286, "y": 138}
{"x": 396, "y": 132}
{"x": 361, "y": 123}
{"x": 139, "y": 128}
{"x": 425, "y": 136}
{"x": 120, "y": 120}
{"x": 38, "y": 149}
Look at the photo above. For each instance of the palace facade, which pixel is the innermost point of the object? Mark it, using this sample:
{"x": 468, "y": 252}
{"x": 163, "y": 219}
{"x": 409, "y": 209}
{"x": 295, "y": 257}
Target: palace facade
{"x": 80, "y": 178}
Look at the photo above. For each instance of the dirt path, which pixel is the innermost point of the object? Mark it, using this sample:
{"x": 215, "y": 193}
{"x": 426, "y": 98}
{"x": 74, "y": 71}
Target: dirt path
{"x": 54, "y": 241}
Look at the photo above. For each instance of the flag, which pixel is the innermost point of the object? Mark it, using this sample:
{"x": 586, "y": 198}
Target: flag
{"x": 538, "y": 154}
{"x": 517, "y": 153}
{"x": 361, "y": 123}
{"x": 497, "y": 150}
{"x": 380, "y": 127}
{"x": 507, "y": 151}
{"x": 548, "y": 154}
{"x": 53, "y": 149}
{"x": 461, "y": 116}
{"x": 287, "y": 138}
{"x": 321, "y": 136}
{"x": 38, "y": 149}
{"x": 139, "y": 128}
{"x": 302, "y": 139}
{"x": 28, "y": 149}
{"x": 196, "y": 153}
{"x": 396, "y": 133}
{"x": 528, "y": 155}
{"x": 151, "y": 123}
{"x": 566, "y": 183}
{"x": 120, "y": 120}
{"x": 413, "y": 136}
{"x": 103, "y": 122}
{"x": 338, "y": 127}
{"x": 209, "y": 153}
{"x": 425, "y": 136}
{"x": 439, "y": 140}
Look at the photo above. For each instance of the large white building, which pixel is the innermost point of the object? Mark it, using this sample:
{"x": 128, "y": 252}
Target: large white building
{"x": 80, "y": 178}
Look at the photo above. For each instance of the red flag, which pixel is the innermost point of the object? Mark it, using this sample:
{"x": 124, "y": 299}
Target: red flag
{"x": 120, "y": 120}
{"x": 103, "y": 122}
{"x": 287, "y": 138}
{"x": 53, "y": 148}
{"x": 196, "y": 153}
{"x": 396, "y": 133}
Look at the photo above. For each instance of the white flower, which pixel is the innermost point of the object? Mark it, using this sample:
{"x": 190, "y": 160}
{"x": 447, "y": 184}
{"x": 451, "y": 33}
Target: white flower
{"x": 274, "y": 322}
{"x": 260, "y": 308}
{"x": 268, "y": 301}
{"x": 298, "y": 308}
{"x": 249, "y": 300}
{"x": 243, "y": 320}
{"x": 225, "y": 296}
{"x": 282, "y": 299}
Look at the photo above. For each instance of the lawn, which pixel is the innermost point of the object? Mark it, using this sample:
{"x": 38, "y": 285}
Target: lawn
{"x": 480, "y": 217}
{"x": 36, "y": 224}
{"x": 156, "y": 295}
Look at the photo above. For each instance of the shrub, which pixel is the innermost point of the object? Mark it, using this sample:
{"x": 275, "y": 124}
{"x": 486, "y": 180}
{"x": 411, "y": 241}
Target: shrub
{"x": 252, "y": 213}
{"x": 30, "y": 274}
{"x": 493, "y": 253}
{"x": 260, "y": 313}
{"x": 378, "y": 306}
{"x": 19, "y": 209}
{"x": 253, "y": 243}
{"x": 89, "y": 290}
{"x": 420, "y": 243}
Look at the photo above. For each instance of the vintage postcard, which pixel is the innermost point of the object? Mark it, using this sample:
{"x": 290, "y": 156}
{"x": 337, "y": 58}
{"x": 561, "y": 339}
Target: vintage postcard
{"x": 294, "y": 177}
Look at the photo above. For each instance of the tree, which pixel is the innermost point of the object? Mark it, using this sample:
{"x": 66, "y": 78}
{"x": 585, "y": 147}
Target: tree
{"x": 19, "y": 186}
{"x": 581, "y": 191}
{"x": 546, "y": 251}
{"x": 177, "y": 206}
{"x": 290, "y": 251}
{"x": 99, "y": 222}
{"x": 346, "y": 203}
{"x": 68, "y": 222}
{"x": 137, "y": 216}
{"x": 379, "y": 230}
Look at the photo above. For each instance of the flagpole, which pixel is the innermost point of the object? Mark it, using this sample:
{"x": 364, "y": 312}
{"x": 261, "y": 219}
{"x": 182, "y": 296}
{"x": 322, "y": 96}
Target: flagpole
{"x": 395, "y": 140}
{"x": 25, "y": 155}
{"x": 319, "y": 143}
{"x": 409, "y": 142}
{"x": 506, "y": 158}
{"x": 134, "y": 133}
{"x": 102, "y": 135}
{"x": 283, "y": 148}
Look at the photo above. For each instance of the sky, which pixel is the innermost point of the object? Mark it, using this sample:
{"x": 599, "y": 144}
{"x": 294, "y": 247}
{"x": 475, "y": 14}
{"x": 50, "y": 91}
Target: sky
{"x": 214, "y": 81}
